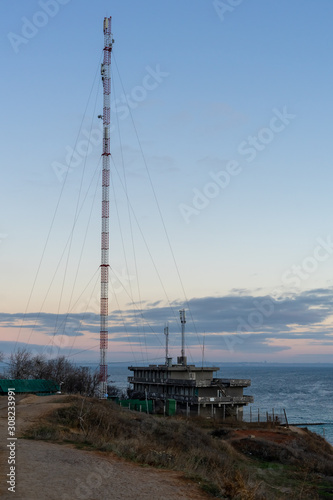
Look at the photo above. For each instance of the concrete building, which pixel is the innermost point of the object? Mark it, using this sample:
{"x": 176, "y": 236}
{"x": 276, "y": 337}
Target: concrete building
{"x": 195, "y": 389}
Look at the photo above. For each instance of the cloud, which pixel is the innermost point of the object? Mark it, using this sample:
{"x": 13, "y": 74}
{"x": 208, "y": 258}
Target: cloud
{"x": 239, "y": 321}
{"x": 8, "y": 347}
{"x": 47, "y": 323}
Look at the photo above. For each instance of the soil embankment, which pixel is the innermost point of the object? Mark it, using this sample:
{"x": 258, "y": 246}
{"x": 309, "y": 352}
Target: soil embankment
{"x": 50, "y": 471}
{"x": 75, "y": 448}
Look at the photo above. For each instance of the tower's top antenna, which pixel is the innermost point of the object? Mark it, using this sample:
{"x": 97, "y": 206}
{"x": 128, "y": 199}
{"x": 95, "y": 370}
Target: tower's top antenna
{"x": 106, "y": 24}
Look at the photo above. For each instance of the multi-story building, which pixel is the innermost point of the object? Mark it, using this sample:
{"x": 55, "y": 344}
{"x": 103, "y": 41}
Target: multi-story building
{"x": 195, "y": 389}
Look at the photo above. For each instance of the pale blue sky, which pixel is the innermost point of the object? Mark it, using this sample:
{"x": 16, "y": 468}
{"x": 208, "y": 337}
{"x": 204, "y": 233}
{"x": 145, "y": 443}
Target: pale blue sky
{"x": 220, "y": 82}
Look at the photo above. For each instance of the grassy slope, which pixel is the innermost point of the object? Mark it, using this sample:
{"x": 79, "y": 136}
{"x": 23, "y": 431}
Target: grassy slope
{"x": 246, "y": 464}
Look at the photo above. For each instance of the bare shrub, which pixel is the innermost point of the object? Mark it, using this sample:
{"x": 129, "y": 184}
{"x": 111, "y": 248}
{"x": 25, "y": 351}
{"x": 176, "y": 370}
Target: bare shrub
{"x": 73, "y": 379}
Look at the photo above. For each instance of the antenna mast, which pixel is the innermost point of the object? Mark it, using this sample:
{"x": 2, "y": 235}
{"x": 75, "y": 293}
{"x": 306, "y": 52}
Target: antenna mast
{"x": 166, "y": 333}
{"x": 182, "y": 359}
{"x": 104, "y": 333}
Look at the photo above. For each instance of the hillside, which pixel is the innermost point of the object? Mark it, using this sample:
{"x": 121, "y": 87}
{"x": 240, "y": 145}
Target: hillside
{"x": 71, "y": 447}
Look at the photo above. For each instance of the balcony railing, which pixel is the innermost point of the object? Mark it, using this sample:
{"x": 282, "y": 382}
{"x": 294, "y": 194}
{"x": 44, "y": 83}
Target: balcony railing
{"x": 227, "y": 399}
{"x": 162, "y": 381}
{"x": 177, "y": 397}
{"x": 191, "y": 383}
{"x": 232, "y": 382}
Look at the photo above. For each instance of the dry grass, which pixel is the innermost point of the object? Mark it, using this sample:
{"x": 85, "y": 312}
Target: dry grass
{"x": 309, "y": 451}
{"x": 224, "y": 467}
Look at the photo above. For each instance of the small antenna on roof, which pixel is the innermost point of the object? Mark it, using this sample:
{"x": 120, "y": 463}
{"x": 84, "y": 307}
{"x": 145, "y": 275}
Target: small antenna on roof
{"x": 166, "y": 333}
{"x": 182, "y": 359}
{"x": 203, "y": 350}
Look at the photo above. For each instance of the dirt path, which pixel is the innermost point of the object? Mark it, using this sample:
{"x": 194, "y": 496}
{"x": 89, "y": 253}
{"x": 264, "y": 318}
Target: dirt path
{"x": 59, "y": 472}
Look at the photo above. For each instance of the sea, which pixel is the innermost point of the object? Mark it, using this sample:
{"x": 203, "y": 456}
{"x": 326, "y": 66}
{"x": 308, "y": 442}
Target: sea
{"x": 305, "y": 392}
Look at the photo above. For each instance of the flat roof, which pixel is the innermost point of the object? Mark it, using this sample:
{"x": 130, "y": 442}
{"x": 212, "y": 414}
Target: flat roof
{"x": 176, "y": 368}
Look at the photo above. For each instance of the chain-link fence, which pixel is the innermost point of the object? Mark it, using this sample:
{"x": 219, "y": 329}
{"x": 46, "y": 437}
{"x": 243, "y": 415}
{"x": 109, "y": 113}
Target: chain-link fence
{"x": 275, "y": 416}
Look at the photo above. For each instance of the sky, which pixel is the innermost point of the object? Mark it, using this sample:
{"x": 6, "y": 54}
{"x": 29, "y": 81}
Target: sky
{"x": 221, "y": 179}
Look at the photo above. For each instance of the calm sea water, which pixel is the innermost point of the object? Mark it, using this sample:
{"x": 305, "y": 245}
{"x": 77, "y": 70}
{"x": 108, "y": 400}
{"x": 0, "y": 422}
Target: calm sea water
{"x": 304, "y": 391}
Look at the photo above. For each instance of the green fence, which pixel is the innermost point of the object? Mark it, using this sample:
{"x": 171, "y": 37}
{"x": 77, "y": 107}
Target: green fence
{"x": 136, "y": 404}
{"x": 40, "y": 387}
{"x": 171, "y": 406}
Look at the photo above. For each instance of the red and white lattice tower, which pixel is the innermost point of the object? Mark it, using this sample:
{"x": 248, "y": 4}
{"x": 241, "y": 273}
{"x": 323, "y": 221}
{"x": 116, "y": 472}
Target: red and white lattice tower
{"x": 104, "y": 333}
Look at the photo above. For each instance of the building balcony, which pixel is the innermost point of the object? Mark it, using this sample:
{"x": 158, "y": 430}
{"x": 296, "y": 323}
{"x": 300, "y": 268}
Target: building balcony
{"x": 232, "y": 382}
{"x": 223, "y": 382}
{"x": 178, "y": 397}
{"x": 164, "y": 381}
{"x": 226, "y": 400}
{"x": 181, "y": 398}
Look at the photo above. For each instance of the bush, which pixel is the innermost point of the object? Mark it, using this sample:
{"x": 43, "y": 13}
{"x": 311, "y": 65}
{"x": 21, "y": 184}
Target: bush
{"x": 73, "y": 379}
{"x": 43, "y": 432}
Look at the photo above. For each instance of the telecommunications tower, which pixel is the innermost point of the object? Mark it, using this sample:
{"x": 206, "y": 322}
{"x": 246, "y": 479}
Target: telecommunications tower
{"x": 104, "y": 311}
